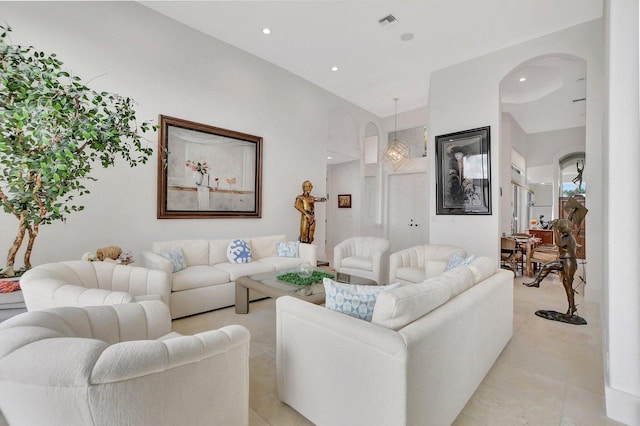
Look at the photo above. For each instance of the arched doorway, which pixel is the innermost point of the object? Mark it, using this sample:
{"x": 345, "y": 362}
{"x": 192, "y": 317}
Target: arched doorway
{"x": 543, "y": 111}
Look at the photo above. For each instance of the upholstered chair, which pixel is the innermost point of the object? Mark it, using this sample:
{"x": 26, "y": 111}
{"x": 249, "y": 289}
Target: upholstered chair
{"x": 84, "y": 283}
{"x": 418, "y": 263}
{"x": 120, "y": 365}
{"x": 366, "y": 257}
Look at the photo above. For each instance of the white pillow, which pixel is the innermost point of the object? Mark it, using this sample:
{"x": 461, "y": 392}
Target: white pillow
{"x": 177, "y": 259}
{"x": 355, "y": 300}
{"x": 482, "y": 268}
{"x": 456, "y": 260}
{"x": 396, "y": 309}
{"x": 287, "y": 248}
{"x": 239, "y": 251}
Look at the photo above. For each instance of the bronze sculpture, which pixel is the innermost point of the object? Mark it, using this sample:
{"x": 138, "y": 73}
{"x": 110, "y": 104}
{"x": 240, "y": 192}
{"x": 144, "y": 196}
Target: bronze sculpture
{"x": 567, "y": 262}
{"x": 578, "y": 179}
{"x": 305, "y": 204}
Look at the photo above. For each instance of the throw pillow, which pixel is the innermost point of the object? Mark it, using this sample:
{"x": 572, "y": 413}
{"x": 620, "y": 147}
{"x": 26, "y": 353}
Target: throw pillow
{"x": 239, "y": 252}
{"x": 456, "y": 260}
{"x": 287, "y": 248}
{"x": 177, "y": 259}
{"x": 355, "y": 300}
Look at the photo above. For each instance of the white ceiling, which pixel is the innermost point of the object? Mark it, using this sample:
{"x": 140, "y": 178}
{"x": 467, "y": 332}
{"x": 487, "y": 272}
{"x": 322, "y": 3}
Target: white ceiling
{"x": 375, "y": 64}
{"x": 552, "y": 97}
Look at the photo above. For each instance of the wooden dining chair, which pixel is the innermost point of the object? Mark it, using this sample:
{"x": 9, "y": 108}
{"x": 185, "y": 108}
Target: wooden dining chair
{"x": 510, "y": 255}
{"x": 542, "y": 254}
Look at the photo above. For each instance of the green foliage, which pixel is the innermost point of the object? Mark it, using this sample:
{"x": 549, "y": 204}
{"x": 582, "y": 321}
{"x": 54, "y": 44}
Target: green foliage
{"x": 295, "y": 279}
{"x": 53, "y": 130}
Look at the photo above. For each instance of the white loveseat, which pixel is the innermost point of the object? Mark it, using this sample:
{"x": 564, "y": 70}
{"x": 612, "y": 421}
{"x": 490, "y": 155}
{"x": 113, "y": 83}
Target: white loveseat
{"x": 418, "y": 263}
{"x": 120, "y": 365}
{"x": 420, "y": 359}
{"x": 208, "y": 281}
{"x": 84, "y": 283}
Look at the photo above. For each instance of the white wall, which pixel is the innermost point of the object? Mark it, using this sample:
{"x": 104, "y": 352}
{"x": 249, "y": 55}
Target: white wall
{"x": 174, "y": 70}
{"x": 621, "y": 149}
{"x": 407, "y": 120}
{"x": 466, "y": 96}
{"x": 513, "y": 139}
{"x": 343, "y": 223}
{"x": 512, "y": 130}
{"x": 546, "y": 149}
{"x": 542, "y": 147}
{"x": 542, "y": 196}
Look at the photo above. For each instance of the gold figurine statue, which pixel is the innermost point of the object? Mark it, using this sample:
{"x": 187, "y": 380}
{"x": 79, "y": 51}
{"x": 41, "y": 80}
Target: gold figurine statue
{"x": 305, "y": 204}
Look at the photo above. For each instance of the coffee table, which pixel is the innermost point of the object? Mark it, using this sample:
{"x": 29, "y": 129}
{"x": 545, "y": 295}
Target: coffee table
{"x": 268, "y": 284}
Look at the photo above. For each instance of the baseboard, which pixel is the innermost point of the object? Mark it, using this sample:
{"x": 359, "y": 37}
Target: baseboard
{"x": 622, "y": 407}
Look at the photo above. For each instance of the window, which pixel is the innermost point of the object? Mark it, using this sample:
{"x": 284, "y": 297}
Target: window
{"x": 571, "y": 178}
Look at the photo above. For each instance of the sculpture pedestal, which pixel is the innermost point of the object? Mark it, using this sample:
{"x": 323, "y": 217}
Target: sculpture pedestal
{"x": 557, "y": 316}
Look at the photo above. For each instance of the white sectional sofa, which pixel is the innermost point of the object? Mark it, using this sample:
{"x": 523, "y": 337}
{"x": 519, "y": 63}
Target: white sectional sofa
{"x": 208, "y": 281}
{"x": 420, "y": 359}
{"x": 418, "y": 263}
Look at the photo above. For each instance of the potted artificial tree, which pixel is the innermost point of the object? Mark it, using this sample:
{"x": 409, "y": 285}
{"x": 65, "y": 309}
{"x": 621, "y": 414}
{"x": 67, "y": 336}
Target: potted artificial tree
{"x": 53, "y": 131}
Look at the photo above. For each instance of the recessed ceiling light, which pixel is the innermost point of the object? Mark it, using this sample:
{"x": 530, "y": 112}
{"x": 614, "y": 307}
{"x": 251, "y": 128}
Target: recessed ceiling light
{"x": 406, "y": 36}
{"x": 523, "y": 79}
{"x": 334, "y": 68}
{"x": 329, "y": 158}
{"x": 266, "y": 31}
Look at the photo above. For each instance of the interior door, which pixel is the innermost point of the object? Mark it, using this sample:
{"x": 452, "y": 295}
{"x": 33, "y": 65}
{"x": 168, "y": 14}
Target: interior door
{"x": 407, "y": 210}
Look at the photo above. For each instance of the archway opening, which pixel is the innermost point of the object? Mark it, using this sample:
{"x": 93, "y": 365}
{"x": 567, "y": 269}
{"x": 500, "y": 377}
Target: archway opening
{"x": 543, "y": 112}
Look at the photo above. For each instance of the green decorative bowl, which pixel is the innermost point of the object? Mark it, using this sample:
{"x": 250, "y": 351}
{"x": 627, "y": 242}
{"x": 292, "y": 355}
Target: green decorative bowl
{"x": 295, "y": 279}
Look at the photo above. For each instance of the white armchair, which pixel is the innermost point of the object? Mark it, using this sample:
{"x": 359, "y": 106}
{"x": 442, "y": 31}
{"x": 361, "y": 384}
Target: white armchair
{"x": 84, "y": 283}
{"x": 120, "y": 365}
{"x": 366, "y": 257}
{"x": 416, "y": 264}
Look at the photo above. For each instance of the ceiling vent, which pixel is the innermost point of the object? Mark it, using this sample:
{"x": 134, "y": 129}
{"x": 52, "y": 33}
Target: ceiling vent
{"x": 389, "y": 19}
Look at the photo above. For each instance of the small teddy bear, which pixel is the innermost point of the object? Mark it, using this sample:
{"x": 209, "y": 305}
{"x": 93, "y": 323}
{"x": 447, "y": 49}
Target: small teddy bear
{"x": 108, "y": 253}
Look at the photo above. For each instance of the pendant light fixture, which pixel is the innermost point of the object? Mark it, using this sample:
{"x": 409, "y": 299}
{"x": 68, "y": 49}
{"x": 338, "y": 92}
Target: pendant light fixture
{"x": 397, "y": 153}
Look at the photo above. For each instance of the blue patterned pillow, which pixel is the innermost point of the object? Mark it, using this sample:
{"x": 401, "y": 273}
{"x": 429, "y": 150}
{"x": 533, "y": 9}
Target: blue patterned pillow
{"x": 239, "y": 252}
{"x": 456, "y": 260}
{"x": 355, "y": 300}
{"x": 287, "y": 248}
{"x": 177, "y": 259}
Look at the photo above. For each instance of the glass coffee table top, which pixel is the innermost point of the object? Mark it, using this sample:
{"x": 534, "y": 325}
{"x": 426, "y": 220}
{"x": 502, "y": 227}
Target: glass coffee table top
{"x": 269, "y": 285}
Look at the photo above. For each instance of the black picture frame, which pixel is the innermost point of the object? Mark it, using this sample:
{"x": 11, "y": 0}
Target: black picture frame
{"x": 230, "y": 184}
{"x": 344, "y": 201}
{"x": 463, "y": 172}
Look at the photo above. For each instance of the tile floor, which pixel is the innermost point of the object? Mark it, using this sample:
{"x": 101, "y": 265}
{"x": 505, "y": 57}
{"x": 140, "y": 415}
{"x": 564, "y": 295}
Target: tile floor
{"x": 550, "y": 373}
